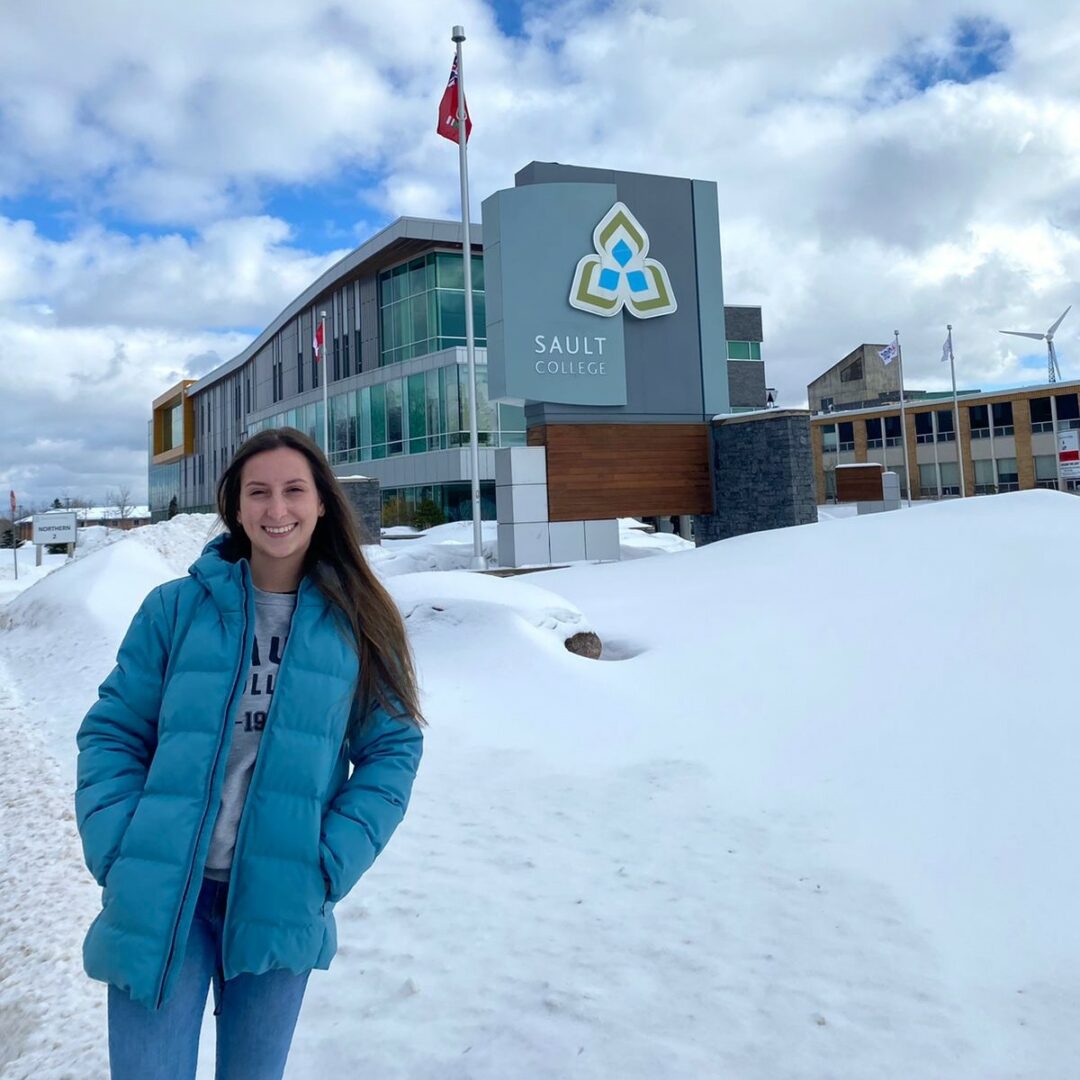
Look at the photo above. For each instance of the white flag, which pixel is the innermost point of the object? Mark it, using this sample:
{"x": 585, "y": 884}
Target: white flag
{"x": 889, "y": 353}
{"x": 946, "y": 351}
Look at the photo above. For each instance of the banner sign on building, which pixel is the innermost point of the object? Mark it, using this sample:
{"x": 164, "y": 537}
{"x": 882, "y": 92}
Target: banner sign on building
{"x": 1069, "y": 454}
{"x": 542, "y": 346}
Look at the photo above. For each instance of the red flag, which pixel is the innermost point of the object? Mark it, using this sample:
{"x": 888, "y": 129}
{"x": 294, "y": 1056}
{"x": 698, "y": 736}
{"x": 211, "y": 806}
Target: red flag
{"x": 448, "y": 110}
{"x": 317, "y": 342}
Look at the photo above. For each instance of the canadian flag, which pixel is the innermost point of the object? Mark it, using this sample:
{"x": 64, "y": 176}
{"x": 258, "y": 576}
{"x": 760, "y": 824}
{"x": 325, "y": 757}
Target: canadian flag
{"x": 448, "y": 109}
{"x": 317, "y": 342}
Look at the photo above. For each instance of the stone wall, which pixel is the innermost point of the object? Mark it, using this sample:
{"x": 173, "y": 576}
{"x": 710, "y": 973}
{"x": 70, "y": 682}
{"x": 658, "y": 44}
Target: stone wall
{"x": 763, "y": 475}
{"x": 365, "y": 498}
{"x": 746, "y": 384}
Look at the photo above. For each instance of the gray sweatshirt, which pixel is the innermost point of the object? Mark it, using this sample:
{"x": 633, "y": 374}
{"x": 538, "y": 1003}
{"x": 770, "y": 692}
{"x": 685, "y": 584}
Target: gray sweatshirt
{"x": 273, "y": 614}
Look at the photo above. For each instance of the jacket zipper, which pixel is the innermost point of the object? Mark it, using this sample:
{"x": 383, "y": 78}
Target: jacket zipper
{"x": 237, "y": 678}
{"x": 255, "y": 774}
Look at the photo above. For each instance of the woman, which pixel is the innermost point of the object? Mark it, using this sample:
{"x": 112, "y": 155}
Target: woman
{"x": 224, "y": 828}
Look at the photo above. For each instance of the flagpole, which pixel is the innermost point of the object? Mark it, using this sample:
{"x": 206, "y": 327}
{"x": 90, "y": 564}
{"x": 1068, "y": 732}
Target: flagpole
{"x": 956, "y": 417}
{"x": 325, "y": 390}
{"x": 458, "y": 36}
{"x": 903, "y": 416}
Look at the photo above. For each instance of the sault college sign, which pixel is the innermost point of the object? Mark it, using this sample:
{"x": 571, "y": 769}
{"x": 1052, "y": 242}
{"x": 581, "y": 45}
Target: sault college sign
{"x": 553, "y": 306}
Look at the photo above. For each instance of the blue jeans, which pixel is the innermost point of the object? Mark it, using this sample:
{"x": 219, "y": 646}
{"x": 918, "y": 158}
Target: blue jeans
{"x": 256, "y": 1014}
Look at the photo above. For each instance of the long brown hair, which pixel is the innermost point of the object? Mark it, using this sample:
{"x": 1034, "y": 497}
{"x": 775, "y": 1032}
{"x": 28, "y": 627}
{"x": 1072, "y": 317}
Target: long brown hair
{"x": 336, "y": 564}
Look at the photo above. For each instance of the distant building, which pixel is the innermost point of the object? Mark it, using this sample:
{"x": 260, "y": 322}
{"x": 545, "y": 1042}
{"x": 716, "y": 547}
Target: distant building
{"x": 860, "y": 379}
{"x": 1006, "y": 439}
{"x": 108, "y": 516}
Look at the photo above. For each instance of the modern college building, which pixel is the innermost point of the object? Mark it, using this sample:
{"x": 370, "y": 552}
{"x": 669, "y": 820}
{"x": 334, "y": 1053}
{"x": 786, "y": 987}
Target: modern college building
{"x": 396, "y": 358}
{"x": 613, "y": 380}
{"x": 1006, "y": 439}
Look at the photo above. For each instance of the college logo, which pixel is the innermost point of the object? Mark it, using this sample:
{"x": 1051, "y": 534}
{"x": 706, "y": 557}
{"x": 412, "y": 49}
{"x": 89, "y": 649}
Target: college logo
{"x": 620, "y": 274}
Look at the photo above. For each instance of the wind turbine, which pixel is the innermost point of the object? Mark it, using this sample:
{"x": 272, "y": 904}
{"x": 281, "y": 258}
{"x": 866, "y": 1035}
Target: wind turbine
{"x": 1048, "y": 337}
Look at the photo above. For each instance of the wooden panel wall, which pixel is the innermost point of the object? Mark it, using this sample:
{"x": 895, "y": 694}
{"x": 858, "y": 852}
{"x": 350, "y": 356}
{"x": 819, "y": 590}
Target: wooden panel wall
{"x": 858, "y": 483}
{"x": 598, "y": 471}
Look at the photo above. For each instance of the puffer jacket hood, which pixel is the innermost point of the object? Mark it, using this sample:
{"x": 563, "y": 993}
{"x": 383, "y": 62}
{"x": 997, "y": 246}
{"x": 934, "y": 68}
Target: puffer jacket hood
{"x": 152, "y": 754}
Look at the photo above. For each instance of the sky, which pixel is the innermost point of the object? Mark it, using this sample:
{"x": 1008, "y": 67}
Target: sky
{"x": 171, "y": 176}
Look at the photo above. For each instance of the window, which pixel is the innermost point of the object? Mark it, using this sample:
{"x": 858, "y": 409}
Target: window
{"x": 175, "y": 426}
{"x": 928, "y": 481}
{"x": 853, "y": 372}
{"x": 1042, "y": 418}
{"x": 924, "y": 429}
{"x": 744, "y": 350}
{"x": 1007, "y": 478}
{"x": 980, "y": 421}
{"x": 828, "y": 439}
{"x": 946, "y": 426}
{"x": 1002, "y": 416}
{"x": 422, "y": 306}
{"x": 873, "y": 433}
{"x": 1046, "y": 471}
{"x": 1067, "y": 414}
{"x": 985, "y": 481}
{"x": 846, "y": 435}
{"x": 950, "y": 478}
{"x": 828, "y": 404}
{"x": 892, "y": 431}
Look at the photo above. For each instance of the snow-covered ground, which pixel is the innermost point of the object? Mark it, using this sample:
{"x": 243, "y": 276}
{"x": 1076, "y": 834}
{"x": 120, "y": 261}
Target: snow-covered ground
{"x": 813, "y": 817}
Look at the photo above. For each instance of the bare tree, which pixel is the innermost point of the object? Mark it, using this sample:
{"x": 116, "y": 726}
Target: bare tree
{"x": 119, "y": 500}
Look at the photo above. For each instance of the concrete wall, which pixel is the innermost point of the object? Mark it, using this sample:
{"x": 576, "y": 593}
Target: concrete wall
{"x": 763, "y": 475}
{"x": 878, "y": 378}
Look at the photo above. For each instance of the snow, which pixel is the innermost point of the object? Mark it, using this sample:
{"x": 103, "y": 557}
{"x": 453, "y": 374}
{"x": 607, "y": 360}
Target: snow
{"x": 813, "y": 817}
{"x": 95, "y": 513}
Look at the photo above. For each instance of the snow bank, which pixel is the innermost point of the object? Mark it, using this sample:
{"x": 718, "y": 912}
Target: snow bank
{"x": 463, "y": 599}
{"x": 817, "y": 821}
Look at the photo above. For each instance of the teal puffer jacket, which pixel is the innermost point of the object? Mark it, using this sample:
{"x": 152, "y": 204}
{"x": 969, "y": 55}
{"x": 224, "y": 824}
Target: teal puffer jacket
{"x": 152, "y": 755}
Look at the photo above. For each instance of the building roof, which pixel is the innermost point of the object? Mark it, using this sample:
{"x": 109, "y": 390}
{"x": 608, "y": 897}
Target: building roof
{"x": 945, "y": 397}
{"x": 400, "y": 239}
{"x": 93, "y": 513}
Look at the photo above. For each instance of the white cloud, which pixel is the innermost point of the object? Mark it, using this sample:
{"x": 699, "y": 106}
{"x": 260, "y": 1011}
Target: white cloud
{"x": 851, "y": 203}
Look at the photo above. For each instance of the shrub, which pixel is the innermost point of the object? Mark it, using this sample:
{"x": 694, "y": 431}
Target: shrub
{"x": 395, "y": 512}
{"x": 428, "y": 514}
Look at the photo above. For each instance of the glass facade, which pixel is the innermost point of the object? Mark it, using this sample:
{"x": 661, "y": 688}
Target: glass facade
{"x": 422, "y": 306}
{"x": 164, "y": 488}
{"x": 454, "y": 500}
{"x": 408, "y": 415}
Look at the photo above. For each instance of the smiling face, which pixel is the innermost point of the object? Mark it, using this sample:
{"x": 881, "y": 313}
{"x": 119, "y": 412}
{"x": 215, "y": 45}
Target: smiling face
{"x": 279, "y": 508}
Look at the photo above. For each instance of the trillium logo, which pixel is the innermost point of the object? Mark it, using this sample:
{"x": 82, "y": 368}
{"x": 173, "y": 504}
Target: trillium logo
{"x": 620, "y": 274}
